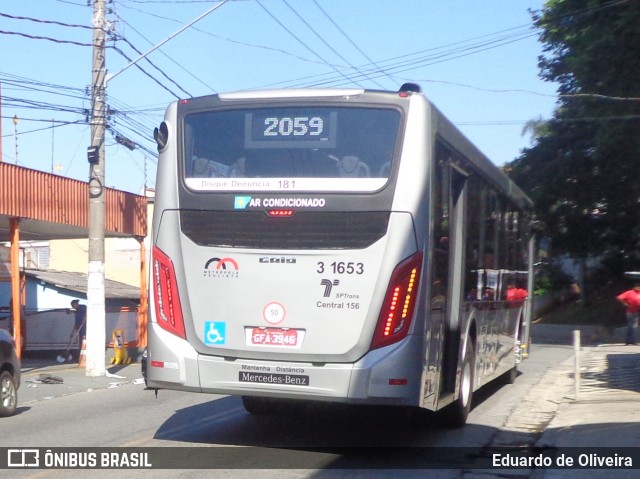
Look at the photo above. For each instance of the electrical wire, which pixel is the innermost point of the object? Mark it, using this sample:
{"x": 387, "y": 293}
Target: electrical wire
{"x": 344, "y": 34}
{"x": 230, "y": 40}
{"x": 154, "y": 65}
{"x": 321, "y": 38}
{"x": 423, "y": 58}
{"x": 48, "y": 22}
{"x": 145, "y": 72}
{"x": 50, "y": 39}
{"x": 413, "y": 62}
{"x": 284, "y": 27}
{"x": 195, "y": 77}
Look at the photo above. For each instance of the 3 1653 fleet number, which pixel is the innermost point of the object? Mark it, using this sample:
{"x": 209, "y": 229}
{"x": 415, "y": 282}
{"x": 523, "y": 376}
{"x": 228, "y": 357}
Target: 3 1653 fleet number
{"x": 340, "y": 267}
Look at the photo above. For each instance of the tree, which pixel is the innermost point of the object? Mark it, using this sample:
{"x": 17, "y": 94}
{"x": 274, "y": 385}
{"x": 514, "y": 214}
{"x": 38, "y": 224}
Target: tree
{"x": 583, "y": 171}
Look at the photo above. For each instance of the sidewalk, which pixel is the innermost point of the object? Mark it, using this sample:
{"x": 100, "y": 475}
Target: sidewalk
{"x": 606, "y": 403}
{"x": 41, "y": 373}
{"x": 606, "y": 412}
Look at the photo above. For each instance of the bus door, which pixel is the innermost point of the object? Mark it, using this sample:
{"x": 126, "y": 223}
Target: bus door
{"x": 447, "y": 271}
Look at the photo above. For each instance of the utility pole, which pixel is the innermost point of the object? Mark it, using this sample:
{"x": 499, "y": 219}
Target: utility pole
{"x": 0, "y": 122}
{"x": 96, "y": 322}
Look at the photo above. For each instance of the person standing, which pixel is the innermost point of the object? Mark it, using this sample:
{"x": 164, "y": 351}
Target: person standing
{"x": 631, "y": 301}
{"x": 516, "y": 294}
{"x": 80, "y": 322}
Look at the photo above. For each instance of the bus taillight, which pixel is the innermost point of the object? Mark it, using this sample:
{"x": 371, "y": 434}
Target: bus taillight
{"x": 399, "y": 303}
{"x": 168, "y": 308}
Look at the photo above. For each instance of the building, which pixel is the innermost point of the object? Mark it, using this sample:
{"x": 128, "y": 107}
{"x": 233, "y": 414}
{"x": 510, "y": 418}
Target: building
{"x": 36, "y": 206}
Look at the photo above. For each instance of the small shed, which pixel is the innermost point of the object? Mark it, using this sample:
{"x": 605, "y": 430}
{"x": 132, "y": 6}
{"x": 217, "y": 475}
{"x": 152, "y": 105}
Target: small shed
{"x": 47, "y": 318}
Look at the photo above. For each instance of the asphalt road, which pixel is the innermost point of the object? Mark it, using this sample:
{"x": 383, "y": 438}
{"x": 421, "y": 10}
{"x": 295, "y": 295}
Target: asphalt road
{"x": 324, "y": 437}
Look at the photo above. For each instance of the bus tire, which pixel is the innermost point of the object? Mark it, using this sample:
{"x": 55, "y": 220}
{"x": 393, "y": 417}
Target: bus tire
{"x": 510, "y": 376}
{"x": 258, "y": 406}
{"x": 458, "y": 412}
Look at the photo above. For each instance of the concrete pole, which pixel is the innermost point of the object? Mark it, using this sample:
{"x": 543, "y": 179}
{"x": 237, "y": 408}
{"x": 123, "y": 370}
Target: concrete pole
{"x": 0, "y": 122}
{"x": 96, "y": 322}
{"x": 576, "y": 352}
{"x": 16, "y": 303}
{"x": 96, "y": 317}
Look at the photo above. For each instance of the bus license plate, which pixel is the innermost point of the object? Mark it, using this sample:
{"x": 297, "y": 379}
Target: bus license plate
{"x": 274, "y": 337}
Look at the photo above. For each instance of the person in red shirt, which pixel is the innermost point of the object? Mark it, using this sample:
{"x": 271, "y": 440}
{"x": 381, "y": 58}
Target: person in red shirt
{"x": 516, "y": 294}
{"x": 631, "y": 301}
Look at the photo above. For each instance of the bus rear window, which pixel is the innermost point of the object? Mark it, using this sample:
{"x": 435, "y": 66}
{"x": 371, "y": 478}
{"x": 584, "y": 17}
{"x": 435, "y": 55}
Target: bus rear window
{"x": 305, "y": 148}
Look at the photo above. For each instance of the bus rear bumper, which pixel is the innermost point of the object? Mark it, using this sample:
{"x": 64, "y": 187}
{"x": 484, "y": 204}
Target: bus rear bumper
{"x": 381, "y": 377}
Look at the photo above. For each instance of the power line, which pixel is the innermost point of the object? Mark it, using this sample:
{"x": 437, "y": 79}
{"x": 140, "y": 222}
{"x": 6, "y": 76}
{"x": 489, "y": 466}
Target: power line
{"x": 170, "y": 1}
{"x": 420, "y": 59}
{"x": 321, "y": 38}
{"x": 236, "y": 42}
{"x": 352, "y": 42}
{"x": 50, "y": 39}
{"x": 83, "y": 5}
{"x": 300, "y": 41}
{"x": 195, "y": 77}
{"x": 154, "y": 65}
{"x": 48, "y": 22}
{"x": 145, "y": 72}
{"x": 122, "y": 114}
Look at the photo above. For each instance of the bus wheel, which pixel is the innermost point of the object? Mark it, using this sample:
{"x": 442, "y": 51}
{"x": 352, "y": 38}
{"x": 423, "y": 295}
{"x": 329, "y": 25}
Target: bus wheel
{"x": 258, "y": 406}
{"x": 510, "y": 376}
{"x": 457, "y": 413}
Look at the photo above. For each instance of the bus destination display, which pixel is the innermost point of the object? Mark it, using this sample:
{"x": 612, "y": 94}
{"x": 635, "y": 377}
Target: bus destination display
{"x": 290, "y": 128}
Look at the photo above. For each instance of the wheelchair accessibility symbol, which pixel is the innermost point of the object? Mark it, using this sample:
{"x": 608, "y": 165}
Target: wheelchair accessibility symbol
{"x": 214, "y": 332}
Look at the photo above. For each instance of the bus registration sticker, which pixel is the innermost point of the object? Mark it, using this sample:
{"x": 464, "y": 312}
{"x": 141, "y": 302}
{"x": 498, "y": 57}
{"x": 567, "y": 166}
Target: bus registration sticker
{"x": 283, "y": 337}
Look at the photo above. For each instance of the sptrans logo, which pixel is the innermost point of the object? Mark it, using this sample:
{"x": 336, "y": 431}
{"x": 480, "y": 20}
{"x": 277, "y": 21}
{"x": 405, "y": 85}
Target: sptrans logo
{"x": 328, "y": 286}
{"x": 221, "y": 268}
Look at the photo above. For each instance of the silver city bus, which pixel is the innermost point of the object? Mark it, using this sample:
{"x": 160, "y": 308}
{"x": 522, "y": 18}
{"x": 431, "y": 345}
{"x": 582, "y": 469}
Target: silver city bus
{"x": 338, "y": 245}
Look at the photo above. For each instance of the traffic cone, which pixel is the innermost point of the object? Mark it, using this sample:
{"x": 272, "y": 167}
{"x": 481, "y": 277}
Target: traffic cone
{"x": 82, "y": 359}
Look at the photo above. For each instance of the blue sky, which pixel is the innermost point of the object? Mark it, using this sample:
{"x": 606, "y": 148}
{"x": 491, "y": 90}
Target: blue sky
{"x": 476, "y": 60}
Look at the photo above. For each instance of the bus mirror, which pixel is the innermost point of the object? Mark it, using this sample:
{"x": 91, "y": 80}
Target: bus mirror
{"x": 161, "y": 135}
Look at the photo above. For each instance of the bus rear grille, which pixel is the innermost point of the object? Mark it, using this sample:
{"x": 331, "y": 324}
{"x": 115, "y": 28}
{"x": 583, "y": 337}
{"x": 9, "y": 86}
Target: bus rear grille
{"x": 304, "y": 230}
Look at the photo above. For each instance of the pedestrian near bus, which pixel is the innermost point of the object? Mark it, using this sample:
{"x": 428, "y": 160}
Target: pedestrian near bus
{"x": 631, "y": 301}
{"x": 80, "y": 322}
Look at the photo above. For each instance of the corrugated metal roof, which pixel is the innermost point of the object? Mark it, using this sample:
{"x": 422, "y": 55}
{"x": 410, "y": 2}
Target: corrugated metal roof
{"x": 54, "y": 207}
{"x": 78, "y": 282}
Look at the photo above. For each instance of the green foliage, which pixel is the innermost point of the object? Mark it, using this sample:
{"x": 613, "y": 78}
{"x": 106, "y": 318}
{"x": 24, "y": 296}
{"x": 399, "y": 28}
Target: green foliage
{"x": 551, "y": 279}
{"x": 543, "y": 286}
{"x": 582, "y": 171}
